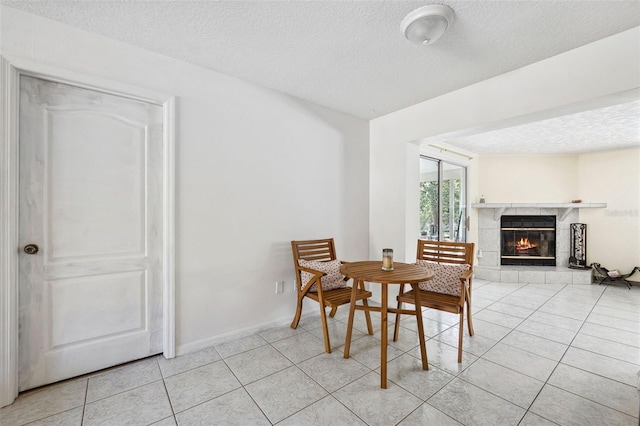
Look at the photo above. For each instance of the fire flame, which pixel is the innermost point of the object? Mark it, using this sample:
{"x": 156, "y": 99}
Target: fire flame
{"x": 525, "y": 244}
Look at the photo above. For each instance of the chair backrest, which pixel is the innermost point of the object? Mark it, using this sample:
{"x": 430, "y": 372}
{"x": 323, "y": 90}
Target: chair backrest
{"x": 445, "y": 252}
{"x": 322, "y": 250}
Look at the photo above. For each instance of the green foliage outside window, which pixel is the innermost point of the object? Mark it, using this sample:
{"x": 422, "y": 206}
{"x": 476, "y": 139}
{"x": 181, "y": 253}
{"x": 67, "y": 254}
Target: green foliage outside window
{"x": 429, "y": 209}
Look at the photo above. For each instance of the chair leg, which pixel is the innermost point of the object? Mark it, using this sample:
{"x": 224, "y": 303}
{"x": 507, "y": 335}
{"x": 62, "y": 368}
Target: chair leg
{"x": 460, "y": 334}
{"x": 333, "y": 311}
{"x": 469, "y": 320}
{"x": 396, "y": 327}
{"x": 325, "y": 329}
{"x": 296, "y": 318}
{"x": 367, "y": 315}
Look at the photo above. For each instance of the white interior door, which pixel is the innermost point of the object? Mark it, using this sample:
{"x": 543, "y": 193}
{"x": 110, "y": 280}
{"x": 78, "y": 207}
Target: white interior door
{"x": 91, "y": 200}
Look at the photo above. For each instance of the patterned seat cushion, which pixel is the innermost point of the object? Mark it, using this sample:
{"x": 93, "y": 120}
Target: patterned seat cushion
{"x": 446, "y": 277}
{"x": 334, "y": 279}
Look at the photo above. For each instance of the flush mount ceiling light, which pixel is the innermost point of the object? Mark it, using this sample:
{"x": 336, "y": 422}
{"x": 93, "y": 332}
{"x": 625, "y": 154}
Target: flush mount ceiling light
{"x": 426, "y": 24}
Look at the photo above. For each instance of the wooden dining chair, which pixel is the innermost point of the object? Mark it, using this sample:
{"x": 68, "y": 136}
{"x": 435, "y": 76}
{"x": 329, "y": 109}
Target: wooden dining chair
{"x": 450, "y": 288}
{"x": 318, "y": 277}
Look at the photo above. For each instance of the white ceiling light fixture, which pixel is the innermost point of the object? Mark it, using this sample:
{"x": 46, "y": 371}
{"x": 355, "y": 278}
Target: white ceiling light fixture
{"x": 426, "y": 24}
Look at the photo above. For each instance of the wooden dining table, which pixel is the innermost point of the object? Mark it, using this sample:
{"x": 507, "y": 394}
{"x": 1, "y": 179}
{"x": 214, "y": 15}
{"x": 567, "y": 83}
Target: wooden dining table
{"x": 372, "y": 272}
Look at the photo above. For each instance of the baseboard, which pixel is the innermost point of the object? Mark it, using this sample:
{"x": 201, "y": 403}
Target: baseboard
{"x": 233, "y": 335}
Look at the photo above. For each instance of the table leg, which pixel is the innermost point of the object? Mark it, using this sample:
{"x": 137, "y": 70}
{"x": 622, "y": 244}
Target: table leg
{"x": 352, "y": 309}
{"x": 423, "y": 347}
{"x": 383, "y": 350}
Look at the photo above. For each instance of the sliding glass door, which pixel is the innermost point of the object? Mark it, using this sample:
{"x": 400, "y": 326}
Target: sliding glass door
{"x": 443, "y": 207}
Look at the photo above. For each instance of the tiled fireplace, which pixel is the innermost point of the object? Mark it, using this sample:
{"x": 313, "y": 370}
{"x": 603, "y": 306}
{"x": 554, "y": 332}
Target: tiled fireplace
{"x": 491, "y": 253}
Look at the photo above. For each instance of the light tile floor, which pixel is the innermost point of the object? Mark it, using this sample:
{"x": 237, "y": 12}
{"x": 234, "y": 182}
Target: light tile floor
{"x": 542, "y": 355}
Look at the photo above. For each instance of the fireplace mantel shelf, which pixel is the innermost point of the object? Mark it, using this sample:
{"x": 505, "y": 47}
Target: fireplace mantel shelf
{"x": 564, "y": 208}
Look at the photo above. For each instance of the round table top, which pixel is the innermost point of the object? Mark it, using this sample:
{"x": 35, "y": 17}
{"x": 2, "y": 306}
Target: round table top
{"x": 371, "y": 271}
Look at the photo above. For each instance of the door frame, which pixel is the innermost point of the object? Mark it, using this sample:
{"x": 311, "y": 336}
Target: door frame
{"x": 11, "y": 68}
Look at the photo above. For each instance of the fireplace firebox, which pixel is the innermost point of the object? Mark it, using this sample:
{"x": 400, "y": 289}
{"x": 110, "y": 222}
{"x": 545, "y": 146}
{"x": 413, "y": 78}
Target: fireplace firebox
{"x": 528, "y": 240}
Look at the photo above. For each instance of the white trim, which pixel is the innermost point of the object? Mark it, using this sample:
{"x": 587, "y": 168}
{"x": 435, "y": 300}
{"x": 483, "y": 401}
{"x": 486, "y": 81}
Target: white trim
{"x": 168, "y": 231}
{"x": 74, "y": 78}
{"x": 11, "y": 67}
{"x": 8, "y": 235}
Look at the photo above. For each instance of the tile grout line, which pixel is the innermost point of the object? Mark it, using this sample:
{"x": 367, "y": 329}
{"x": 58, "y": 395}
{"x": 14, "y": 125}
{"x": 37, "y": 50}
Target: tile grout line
{"x": 164, "y": 385}
{"x": 84, "y": 406}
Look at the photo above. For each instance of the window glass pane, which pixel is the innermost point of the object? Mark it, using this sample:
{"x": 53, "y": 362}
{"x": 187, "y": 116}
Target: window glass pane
{"x": 442, "y": 200}
{"x": 429, "y": 196}
{"x": 453, "y": 204}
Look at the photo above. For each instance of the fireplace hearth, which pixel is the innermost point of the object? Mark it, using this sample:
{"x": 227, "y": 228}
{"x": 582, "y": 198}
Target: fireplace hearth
{"x": 528, "y": 240}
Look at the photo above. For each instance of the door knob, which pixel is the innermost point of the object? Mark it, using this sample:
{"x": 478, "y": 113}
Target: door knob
{"x": 31, "y": 249}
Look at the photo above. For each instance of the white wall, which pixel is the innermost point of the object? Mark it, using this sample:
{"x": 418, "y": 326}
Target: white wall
{"x": 255, "y": 169}
{"x": 600, "y": 69}
{"x": 613, "y": 234}
{"x": 551, "y": 179}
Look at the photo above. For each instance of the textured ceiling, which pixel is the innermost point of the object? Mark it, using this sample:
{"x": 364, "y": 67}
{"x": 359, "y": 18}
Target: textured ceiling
{"x": 607, "y": 128}
{"x": 347, "y": 55}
